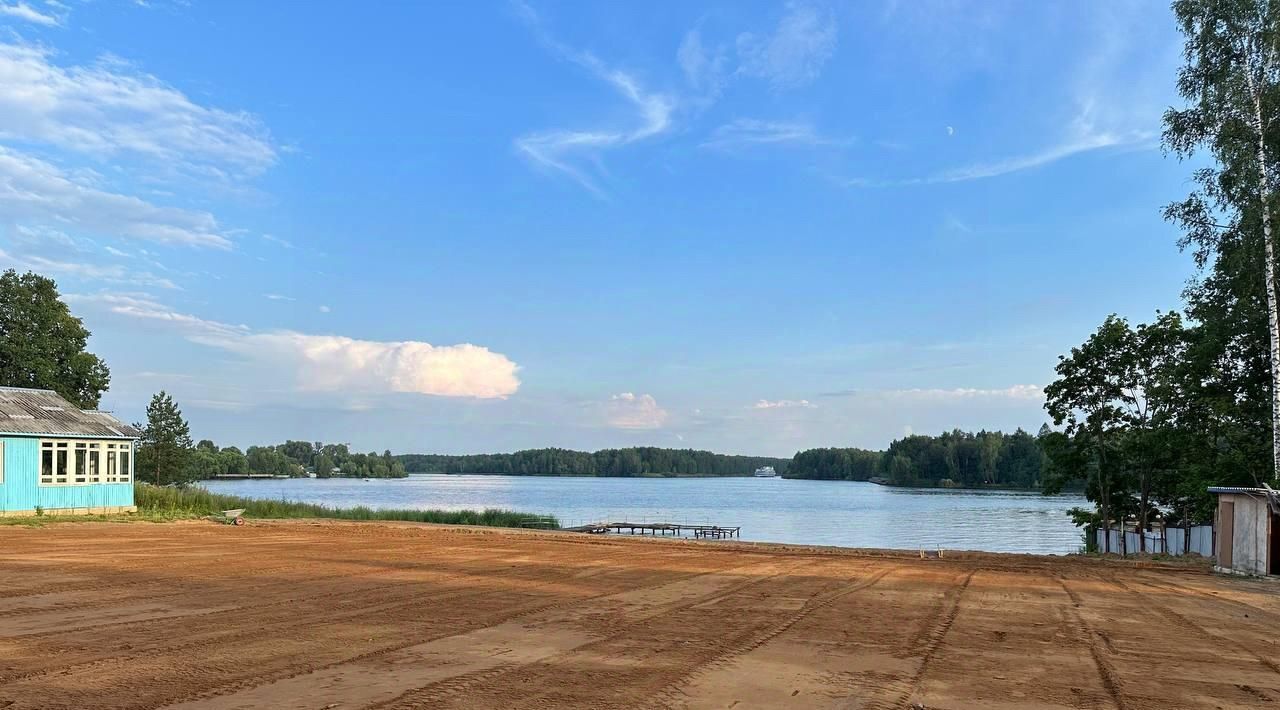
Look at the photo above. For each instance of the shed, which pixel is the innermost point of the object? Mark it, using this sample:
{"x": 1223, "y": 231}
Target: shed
{"x": 56, "y": 458}
{"x": 1247, "y": 522}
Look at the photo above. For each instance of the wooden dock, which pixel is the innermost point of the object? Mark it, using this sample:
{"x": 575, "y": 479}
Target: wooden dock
{"x": 709, "y": 532}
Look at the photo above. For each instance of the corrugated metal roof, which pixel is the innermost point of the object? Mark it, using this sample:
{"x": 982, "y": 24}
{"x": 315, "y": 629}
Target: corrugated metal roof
{"x": 45, "y": 413}
{"x": 1237, "y": 489}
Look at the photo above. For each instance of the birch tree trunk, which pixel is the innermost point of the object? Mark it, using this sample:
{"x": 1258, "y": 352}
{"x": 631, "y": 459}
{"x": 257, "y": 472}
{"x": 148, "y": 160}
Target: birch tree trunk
{"x": 1269, "y": 265}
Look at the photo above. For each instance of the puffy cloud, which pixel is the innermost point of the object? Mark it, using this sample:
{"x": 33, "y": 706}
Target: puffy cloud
{"x": 794, "y": 54}
{"x": 332, "y": 363}
{"x": 784, "y": 404}
{"x": 109, "y": 109}
{"x": 337, "y": 364}
{"x": 633, "y": 411}
{"x": 33, "y": 189}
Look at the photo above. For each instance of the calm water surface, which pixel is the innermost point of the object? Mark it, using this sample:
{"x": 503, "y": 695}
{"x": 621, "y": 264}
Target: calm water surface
{"x": 768, "y": 509}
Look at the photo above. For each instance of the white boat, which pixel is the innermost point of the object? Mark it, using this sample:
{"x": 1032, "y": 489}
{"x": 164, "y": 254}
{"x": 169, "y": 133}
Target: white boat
{"x": 766, "y": 472}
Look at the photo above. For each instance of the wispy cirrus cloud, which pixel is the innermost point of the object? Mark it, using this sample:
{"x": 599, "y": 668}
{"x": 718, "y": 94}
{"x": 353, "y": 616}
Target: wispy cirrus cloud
{"x": 1014, "y": 392}
{"x": 794, "y": 53}
{"x": 335, "y": 364}
{"x": 23, "y": 11}
{"x": 90, "y": 269}
{"x": 110, "y": 109}
{"x": 575, "y": 152}
{"x": 35, "y": 190}
{"x": 748, "y": 132}
{"x": 784, "y": 404}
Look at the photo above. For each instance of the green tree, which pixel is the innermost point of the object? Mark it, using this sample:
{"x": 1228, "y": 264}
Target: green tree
{"x": 1231, "y": 81}
{"x": 232, "y": 460}
{"x": 42, "y": 345}
{"x": 164, "y": 449}
{"x": 1087, "y": 397}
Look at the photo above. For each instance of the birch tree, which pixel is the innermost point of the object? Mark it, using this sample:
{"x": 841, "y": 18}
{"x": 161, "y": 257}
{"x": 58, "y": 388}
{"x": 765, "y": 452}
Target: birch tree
{"x": 1231, "y": 81}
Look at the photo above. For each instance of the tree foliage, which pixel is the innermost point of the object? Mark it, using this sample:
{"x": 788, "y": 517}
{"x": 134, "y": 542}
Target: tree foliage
{"x": 165, "y": 449}
{"x": 42, "y": 345}
{"x": 641, "y": 461}
{"x": 954, "y": 459}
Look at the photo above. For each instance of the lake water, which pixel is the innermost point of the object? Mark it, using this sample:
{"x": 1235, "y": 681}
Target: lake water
{"x": 768, "y": 509}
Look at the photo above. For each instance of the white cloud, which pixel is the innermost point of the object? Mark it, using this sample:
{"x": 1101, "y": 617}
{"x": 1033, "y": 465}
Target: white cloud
{"x": 23, "y": 11}
{"x": 109, "y": 109}
{"x": 32, "y": 189}
{"x": 277, "y": 240}
{"x": 338, "y": 364}
{"x": 1016, "y": 392}
{"x": 704, "y": 70}
{"x": 143, "y": 307}
{"x": 951, "y": 131}
{"x": 573, "y": 152}
{"x": 109, "y": 273}
{"x": 1074, "y": 146}
{"x": 325, "y": 309}
{"x": 116, "y": 252}
{"x": 796, "y": 51}
{"x": 634, "y": 411}
{"x": 331, "y": 363}
{"x": 784, "y": 404}
{"x": 745, "y": 132}
{"x": 278, "y": 297}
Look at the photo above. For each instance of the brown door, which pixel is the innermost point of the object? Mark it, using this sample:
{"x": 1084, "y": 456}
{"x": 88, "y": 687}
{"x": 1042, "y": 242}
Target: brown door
{"x": 1226, "y": 529}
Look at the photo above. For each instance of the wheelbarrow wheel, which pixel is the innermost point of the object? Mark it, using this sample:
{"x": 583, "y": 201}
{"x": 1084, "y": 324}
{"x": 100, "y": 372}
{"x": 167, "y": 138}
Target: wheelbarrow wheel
{"x": 238, "y": 521}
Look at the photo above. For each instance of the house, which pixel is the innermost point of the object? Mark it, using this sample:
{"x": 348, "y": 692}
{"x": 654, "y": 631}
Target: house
{"x": 56, "y": 458}
{"x": 1247, "y": 522}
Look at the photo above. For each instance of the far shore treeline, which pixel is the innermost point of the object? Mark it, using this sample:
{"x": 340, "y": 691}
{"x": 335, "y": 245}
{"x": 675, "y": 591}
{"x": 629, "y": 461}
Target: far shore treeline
{"x": 639, "y": 461}
{"x": 955, "y": 459}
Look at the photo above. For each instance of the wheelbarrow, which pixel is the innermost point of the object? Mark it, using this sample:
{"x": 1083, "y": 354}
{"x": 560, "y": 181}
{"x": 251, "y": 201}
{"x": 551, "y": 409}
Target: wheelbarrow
{"x": 232, "y": 517}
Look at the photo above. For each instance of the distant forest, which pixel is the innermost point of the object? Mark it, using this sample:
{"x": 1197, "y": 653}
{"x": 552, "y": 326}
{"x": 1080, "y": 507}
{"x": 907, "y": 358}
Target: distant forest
{"x": 641, "y": 461}
{"x": 954, "y": 459}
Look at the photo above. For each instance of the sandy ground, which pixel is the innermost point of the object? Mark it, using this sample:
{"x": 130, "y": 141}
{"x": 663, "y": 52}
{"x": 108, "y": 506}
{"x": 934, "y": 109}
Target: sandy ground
{"x": 338, "y": 616}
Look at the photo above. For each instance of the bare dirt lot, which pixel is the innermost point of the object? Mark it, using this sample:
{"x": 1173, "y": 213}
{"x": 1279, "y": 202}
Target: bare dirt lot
{"x": 339, "y": 616}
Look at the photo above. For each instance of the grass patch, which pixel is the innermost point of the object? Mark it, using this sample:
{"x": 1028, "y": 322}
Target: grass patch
{"x": 177, "y": 503}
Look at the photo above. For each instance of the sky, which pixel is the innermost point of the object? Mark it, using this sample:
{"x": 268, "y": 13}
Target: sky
{"x": 477, "y": 227}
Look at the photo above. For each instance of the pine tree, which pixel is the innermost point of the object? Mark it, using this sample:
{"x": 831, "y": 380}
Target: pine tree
{"x": 165, "y": 447}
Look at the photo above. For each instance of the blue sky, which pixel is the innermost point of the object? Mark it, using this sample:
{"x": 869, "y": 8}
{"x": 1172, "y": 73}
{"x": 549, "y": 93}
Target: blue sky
{"x": 465, "y": 227}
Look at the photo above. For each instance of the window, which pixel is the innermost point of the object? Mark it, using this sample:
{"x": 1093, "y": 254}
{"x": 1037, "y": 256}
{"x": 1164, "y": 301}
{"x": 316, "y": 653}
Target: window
{"x": 126, "y": 470}
{"x": 82, "y": 462}
{"x": 95, "y": 450}
{"x": 82, "y": 450}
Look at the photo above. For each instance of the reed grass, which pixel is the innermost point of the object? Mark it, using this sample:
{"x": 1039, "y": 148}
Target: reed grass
{"x": 185, "y": 502}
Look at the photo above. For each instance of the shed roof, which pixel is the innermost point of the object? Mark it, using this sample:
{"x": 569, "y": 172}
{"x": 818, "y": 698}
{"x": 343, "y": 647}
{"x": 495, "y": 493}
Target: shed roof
{"x": 30, "y": 412}
{"x": 1237, "y": 489}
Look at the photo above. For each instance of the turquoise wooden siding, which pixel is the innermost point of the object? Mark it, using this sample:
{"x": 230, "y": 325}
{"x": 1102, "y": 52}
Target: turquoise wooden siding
{"x": 21, "y": 489}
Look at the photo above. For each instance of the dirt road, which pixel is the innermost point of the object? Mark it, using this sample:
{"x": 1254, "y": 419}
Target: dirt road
{"x": 297, "y": 615}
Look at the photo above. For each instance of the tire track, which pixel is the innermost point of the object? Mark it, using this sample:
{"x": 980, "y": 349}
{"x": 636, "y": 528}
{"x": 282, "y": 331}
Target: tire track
{"x": 1164, "y": 610}
{"x": 1090, "y": 637}
{"x": 433, "y": 694}
{"x": 514, "y": 614}
{"x": 898, "y": 693}
{"x": 669, "y": 695}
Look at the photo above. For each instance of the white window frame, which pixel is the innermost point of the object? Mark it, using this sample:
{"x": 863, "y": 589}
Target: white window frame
{"x": 100, "y": 458}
